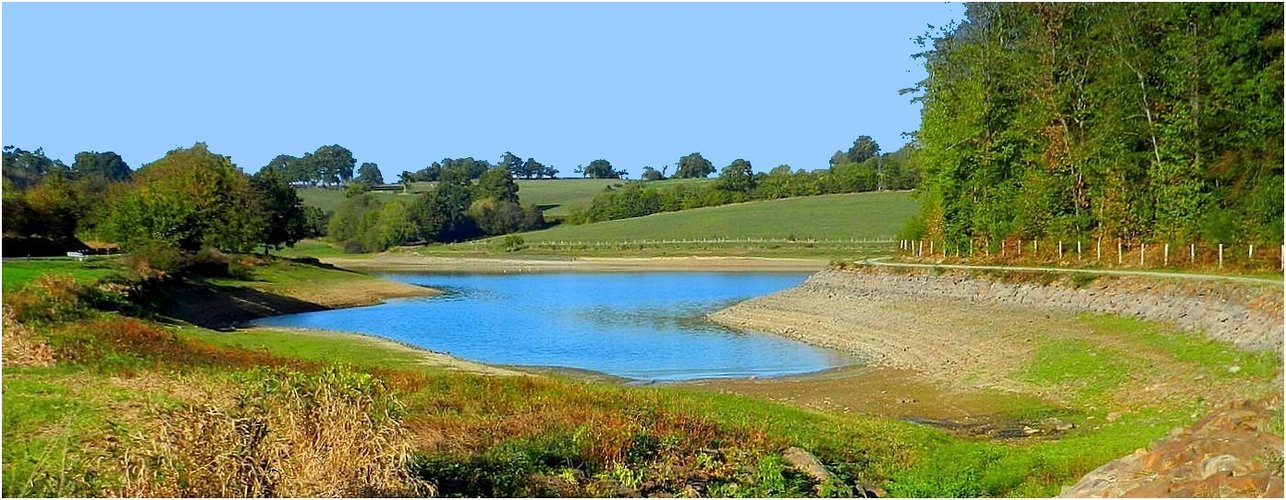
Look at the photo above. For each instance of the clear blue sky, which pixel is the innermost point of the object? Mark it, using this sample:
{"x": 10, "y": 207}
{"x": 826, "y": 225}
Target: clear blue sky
{"x": 404, "y": 85}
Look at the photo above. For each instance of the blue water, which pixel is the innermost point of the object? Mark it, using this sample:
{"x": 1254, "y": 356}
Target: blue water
{"x": 644, "y": 326}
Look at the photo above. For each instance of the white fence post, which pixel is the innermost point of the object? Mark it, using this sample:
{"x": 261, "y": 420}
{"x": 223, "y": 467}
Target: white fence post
{"x": 1060, "y": 249}
{"x": 1020, "y": 247}
{"x": 1118, "y": 253}
{"x": 1078, "y": 250}
{"x": 1221, "y": 256}
{"x": 1098, "y": 255}
{"x": 1192, "y": 253}
{"x": 1167, "y": 254}
{"x": 1142, "y": 250}
{"x": 1250, "y": 254}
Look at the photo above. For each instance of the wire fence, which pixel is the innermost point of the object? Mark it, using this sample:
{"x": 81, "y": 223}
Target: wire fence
{"x": 1102, "y": 252}
{"x": 849, "y": 242}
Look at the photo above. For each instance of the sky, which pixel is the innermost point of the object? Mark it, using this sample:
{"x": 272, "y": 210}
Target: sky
{"x": 403, "y": 85}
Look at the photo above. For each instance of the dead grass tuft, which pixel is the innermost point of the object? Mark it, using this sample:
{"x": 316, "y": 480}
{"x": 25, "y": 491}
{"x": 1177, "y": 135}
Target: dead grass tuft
{"x": 288, "y": 433}
{"x": 21, "y": 346}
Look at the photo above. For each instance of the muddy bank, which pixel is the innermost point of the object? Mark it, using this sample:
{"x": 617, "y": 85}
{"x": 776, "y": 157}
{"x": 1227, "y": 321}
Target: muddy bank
{"x": 404, "y": 262}
{"x": 219, "y": 307}
{"x": 1247, "y": 316}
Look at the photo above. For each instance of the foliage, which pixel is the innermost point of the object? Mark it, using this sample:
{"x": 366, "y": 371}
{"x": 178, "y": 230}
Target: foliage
{"x": 190, "y": 198}
{"x": 1154, "y": 122}
{"x": 601, "y": 169}
{"x": 693, "y": 166}
{"x": 369, "y": 174}
{"x": 738, "y": 183}
{"x": 25, "y": 168}
{"x": 497, "y": 184}
{"x": 493, "y": 217}
{"x": 285, "y": 219}
{"x": 106, "y": 165}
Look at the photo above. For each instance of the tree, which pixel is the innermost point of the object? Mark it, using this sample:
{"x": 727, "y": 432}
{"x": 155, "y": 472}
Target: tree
{"x": 189, "y": 198}
{"x": 532, "y": 167}
{"x": 494, "y": 216}
{"x": 737, "y": 176}
{"x": 497, "y": 184}
{"x": 369, "y": 174}
{"x": 693, "y": 166}
{"x": 285, "y": 221}
{"x": 355, "y": 224}
{"x": 24, "y": 169}
{"x": 651, "y": 174}
{"x": 107, "y": 165}
{"x": 439, "y": 214}
{"x": 864, "y": 148}
{"x": 514, "y": 164}
{"x": 333, "y": 164}
{"x": 600, "y": 169}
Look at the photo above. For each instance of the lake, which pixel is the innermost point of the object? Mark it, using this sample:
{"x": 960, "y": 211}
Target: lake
{"x": 642, "y": 326}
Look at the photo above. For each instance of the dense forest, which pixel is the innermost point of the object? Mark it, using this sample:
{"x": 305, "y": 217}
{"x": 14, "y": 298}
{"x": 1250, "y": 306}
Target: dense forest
{"x": 1140, "y": 121}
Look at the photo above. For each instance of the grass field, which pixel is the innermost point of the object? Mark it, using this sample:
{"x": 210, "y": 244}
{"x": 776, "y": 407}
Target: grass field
{"x": 843, "y": 216}
{"x": 17, "y": 273}
{"x": 489, "y": 436}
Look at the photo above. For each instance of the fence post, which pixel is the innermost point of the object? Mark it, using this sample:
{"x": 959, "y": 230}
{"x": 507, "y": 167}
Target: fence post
{"x": 1098, "y": 255}
{"x": 1060, "y": 249}
{"x": 1035, "y": 247}
{"x": 1221, "y": 256}
{"x": 920, "y": 252}
{"x": 1020, "y": 247}
{"x": 1118, "y": 252}
{"x": 1142, "y": 250}
{"x": 930, "y": 248}
{"x": 1250, "y": 254}
{"x": 1167, "y": 254}
{"x": 1192, "y": 253}
{"x": 1078, "y": 250}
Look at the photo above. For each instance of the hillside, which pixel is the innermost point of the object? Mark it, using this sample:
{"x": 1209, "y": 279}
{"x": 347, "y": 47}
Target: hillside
{"x": 859, "y": 215}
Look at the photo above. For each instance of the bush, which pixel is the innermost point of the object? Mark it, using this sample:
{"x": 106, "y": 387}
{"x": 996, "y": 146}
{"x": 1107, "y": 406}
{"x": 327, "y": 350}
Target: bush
{"x": 155, "y": 260}
{"x": 512, "y": 243}
{"x": 52, "y": 297}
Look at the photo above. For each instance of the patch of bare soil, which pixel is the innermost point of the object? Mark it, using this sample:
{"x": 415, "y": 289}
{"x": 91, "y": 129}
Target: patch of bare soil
{"x": 404, "y": 262}
{"x": 1233, "y": 452}
{"x": 901, "y": 394}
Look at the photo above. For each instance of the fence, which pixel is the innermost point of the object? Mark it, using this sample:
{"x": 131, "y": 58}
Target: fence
{"x": 1099, "y": 252}
{"x": 850, "y": 242}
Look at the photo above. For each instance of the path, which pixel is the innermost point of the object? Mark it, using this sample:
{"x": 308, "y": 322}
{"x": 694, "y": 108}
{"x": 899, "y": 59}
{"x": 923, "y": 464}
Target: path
{"x": 883, "y": 261}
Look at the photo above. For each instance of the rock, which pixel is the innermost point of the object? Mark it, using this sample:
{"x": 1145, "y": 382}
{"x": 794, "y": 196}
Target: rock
{"x": 1218, "y": 464}
{"x": 1234, "y": 369}
{"x": 807, "y": 464}
{"x": 1029, "y": 430}
{"x": 1114, "y": 416}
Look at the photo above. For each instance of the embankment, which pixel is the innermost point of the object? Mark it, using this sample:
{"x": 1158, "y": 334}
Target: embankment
{"x": 414, "y": 263}
{"x": 957, "y": 328}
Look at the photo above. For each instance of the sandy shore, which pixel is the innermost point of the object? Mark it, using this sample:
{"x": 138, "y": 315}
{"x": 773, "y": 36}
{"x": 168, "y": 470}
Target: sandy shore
{"x": 403, "y": 262}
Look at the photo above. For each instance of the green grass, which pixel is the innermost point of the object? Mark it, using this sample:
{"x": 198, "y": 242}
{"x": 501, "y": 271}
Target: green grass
{"x": 315, "y": 248}
{"x": 558, "y": 197}
{"x": 17, "y": 273}
{"x": 859, "y": 215}
{"x": 328, "y": 347}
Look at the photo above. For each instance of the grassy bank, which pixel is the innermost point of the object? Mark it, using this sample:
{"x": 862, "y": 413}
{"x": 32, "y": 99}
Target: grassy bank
{"x": 113, "y": 406}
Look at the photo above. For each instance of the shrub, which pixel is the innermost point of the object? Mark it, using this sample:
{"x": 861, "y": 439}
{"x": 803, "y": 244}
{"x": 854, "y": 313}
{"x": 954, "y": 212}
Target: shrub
{"x": 155, "y": 259}
{"x": 512, "y": 243}
{"x": 52, "y": 297}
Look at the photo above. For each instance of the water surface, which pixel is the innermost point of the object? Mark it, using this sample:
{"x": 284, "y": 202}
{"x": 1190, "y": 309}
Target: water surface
{"x": 645, "y": 326}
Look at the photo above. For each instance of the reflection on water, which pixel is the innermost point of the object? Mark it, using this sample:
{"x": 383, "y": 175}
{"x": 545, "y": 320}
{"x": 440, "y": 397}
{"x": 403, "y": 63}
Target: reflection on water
{"x": 646, "y": 326}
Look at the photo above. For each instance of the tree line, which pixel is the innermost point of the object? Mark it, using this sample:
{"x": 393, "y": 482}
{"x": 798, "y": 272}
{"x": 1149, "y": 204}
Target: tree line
{"x": 1145, "y": 122}
{"x": 189, "y": 199}
{"x": 861, "y": 168}
{"x": 455, "y": 209}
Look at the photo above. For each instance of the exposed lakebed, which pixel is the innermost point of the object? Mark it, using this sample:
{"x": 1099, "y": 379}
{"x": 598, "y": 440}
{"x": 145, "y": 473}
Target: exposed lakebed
{"x": 642, "y": 326}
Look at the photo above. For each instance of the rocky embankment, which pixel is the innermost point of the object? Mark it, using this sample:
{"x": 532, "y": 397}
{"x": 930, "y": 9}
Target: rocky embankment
{"x": 1229, "y": 453}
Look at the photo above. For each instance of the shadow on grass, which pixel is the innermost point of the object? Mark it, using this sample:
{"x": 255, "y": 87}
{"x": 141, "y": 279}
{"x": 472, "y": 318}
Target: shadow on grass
{"x": 220, "y": 307}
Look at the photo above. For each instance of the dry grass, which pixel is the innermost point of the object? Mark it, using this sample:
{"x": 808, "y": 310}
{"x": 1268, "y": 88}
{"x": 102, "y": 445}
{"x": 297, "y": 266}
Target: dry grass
{"x": 21, "y": 346}
{"x": 291, "y": 434}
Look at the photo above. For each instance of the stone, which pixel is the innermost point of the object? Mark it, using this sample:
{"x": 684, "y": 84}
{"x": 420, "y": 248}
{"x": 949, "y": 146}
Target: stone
{"x": 806, "y": 463}
{"x": 1218, "y": 464}
{"x": 1234, "y": 369}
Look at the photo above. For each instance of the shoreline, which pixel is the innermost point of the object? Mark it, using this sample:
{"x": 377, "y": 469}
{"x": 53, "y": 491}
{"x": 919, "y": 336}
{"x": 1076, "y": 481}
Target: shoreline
{"x": 413, "y": 263}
